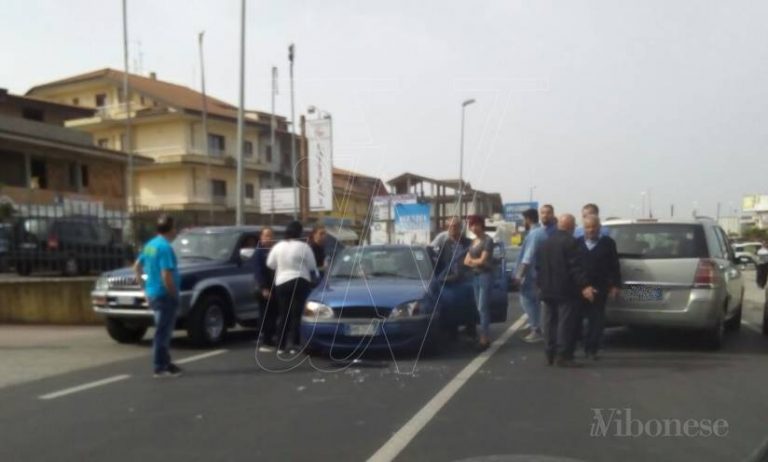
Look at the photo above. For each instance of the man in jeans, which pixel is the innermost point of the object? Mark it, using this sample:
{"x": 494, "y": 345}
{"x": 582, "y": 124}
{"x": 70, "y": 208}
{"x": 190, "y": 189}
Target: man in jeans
{"x": 158, "y": 262}
{"x": 525, "y": 274}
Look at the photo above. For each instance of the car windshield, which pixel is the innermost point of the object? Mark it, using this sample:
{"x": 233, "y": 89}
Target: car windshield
{"x": 370, "y": 262}
{"x": 659, "y": 241}
{"x": 208, "y": 246}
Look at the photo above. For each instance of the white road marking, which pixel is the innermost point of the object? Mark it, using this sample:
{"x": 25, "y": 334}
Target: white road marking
{"x": 190, "y": 359}
{"x": 752, "y": 326}
{"x": 405, "y": 435}
{"x": 85, "y": 386}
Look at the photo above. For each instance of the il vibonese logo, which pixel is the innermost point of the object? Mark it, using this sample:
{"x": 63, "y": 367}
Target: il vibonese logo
{"x": 615, "y": 422}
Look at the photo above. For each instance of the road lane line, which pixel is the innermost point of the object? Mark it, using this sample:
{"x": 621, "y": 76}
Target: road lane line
{"x": 83, "y": 387}
{"x": 395, "y": 445}
{"x": 190, "y": 359}
{"x": 752, "y": 326}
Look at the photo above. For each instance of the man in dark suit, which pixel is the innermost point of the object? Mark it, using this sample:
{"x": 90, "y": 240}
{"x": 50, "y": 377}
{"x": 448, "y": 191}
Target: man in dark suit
{"x": 562, "y": 284}
{"x": 601, "y": 264}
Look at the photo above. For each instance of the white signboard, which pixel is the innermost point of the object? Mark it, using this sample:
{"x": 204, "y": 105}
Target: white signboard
{"x": 755, "y": 203}
{"x": 320, "y": 164}
{"x": 284, "y": 200}
{"x": 379, "y": 233}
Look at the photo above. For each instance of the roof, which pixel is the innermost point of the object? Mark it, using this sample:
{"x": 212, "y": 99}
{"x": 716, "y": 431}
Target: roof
{"x": 169, "y": 93}
{"x": 451, "y": 183}
{"x": 77, "y": 110}
{"x": 654, "y": 221}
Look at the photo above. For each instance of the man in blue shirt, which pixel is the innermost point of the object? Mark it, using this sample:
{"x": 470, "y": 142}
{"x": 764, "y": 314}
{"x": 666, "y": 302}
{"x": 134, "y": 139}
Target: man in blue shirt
{"x": 525, "y": 274}
{"x": 587, "y": 210}
{"x": 157, "y": 262}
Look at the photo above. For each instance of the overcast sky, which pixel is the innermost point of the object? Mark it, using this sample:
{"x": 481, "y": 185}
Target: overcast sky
{"x": 585, "y": 100}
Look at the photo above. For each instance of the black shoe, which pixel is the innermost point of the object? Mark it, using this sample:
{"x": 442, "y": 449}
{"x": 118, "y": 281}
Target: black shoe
{"x": 171, "y": 371}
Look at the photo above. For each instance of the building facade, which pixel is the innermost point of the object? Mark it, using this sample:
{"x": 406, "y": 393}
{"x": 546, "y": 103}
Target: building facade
{"x": 352, "y": 195}
{"x": 46, "y": 165}
{"x": 192, "y": 170}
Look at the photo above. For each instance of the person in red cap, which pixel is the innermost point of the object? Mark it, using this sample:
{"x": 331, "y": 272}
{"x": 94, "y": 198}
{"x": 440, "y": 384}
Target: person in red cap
{"x": 479, "y": 259}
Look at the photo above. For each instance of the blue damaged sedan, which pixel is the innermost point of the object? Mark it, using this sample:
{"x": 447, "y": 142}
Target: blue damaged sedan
{"x": 390, "y": 297}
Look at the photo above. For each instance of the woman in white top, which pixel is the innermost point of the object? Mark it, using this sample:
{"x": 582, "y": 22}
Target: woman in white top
{"x": 294, "y": 265}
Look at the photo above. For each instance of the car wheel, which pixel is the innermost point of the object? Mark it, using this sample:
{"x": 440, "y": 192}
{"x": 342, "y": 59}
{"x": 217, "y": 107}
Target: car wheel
{"x": 714, "y": 336}
{"x": 71, "y": 267}
{"x": 765, "y": 318}
{"x": 207, "y": 324}
{"x": 123, "y": 332}
{"x": 23, "y": 269}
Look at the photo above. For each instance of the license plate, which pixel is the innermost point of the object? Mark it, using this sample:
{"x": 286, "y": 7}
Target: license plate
{"x": 642, "y": 294}
{"x": 126, "y": 301}
{"x": 362, "y": 330}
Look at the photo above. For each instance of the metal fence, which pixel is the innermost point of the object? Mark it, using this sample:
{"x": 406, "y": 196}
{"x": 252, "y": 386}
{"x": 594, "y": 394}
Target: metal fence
{"x": 80, "y": 238}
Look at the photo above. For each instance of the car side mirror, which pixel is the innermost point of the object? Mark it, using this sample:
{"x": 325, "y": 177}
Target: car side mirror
{"x": 246, "y": 253}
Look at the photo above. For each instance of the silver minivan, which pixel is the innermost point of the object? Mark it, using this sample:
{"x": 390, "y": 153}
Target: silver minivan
{"x": 678, "y": 274}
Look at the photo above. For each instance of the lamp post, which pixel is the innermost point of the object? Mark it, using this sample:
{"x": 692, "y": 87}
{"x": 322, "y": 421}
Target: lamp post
{"x": 464, "y": 105}
{"x": 239, "y": 202}
{"x": 200, "y": 37}
{"x": 273, "y": 127}
{"x": 293, "y": 138}
{"x": 530, "y": 193}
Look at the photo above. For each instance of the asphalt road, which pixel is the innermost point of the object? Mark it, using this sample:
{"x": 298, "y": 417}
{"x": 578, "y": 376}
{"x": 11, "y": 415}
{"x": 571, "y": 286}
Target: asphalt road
{"x": 232, "y": 405}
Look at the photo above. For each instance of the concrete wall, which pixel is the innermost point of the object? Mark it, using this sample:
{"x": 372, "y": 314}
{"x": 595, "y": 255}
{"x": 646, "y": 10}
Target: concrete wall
{"x": 47, "y": 301}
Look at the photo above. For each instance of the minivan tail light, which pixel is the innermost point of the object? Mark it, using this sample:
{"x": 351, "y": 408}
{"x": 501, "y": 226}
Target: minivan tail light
{"x": 707, "y": 274}
{"x": 53, "y": 241}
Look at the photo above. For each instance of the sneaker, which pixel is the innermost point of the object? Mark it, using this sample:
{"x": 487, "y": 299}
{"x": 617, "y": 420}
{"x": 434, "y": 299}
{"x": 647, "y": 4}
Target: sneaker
{"x": 293, "y": 351}
{"x": 171, "y": 371}
{"x": 266, "y": 348}
{"x": 534, "y": 337}
{"x": 568, "y": 363}
{"x": 280, "y": 351}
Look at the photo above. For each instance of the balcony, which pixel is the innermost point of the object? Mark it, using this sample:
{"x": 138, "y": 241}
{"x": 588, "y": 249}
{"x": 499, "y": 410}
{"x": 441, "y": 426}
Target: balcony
{"x": 221, "y": 158}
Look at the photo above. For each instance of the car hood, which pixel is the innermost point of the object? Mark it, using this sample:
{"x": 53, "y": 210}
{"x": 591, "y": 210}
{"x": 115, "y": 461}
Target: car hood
{"x": 379, "y": 292}
{"x": 185, "y": 267}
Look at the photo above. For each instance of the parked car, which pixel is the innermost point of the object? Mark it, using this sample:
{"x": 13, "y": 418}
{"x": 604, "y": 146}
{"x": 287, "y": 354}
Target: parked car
{"x": 5, "y": 246}
{"x": 217, "y": 288}
{"x": 72, "y": 245}
{"x": 746, "y": 252}
{"x": 511, "y": 254}
{"x": 681, "y": 274}
{"x": 387, "y": 296}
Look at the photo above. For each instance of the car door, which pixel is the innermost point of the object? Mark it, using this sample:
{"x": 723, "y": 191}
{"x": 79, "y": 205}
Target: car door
{"x": 241, "y": 280}
{"x": 499, "y": 296}
{"x": 730, "y": 271}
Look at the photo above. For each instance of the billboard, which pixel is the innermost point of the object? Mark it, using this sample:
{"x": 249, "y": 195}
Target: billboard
{"x": 320, "y": 164}
{"x": 284, "y": 200}
{"x": 513, "y": 211}
{"x": 755, "y": 203}
{"x": 412, "y": 224}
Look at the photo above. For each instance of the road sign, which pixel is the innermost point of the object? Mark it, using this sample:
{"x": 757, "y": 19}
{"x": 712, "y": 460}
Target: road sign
{"x": 513, "y": 211}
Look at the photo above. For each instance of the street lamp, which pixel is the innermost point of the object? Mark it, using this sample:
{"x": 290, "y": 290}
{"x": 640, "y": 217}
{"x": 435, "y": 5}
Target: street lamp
{"x": 461, "y": 153}
{"x": 642, "y": 196}
{"x": 530, "y": 193}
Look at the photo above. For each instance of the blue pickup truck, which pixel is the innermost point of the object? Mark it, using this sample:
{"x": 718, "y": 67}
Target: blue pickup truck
{"x": 217, "y": 287}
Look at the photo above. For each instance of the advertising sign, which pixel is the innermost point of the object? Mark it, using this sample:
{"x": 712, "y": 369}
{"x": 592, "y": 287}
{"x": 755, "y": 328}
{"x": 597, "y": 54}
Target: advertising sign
{"x": 320, "y": 164}
{"x": 379, "y": 233}
{"x": 284, "y": 200}
{"x": 513, "y": 211}
{"x": 754, "y": 203}
{"x": 412, "y": 224}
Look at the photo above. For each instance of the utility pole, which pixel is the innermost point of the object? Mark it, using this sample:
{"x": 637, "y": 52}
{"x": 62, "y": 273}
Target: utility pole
{"x": 205, "y": 129}
{"x": 272, "y": 149}
{"x": 672, "y": 210}
{"x": 239, "y": 204}
{"x": 464, "y": 105}
{"x": 128, "y": 148}
{"x": 293, "y": 138}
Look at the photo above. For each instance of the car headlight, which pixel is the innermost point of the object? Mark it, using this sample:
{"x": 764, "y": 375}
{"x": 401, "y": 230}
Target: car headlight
{"x": 102, "y": 284}
{"x": 406, "y": 310}
{"x": 318, "y": 311}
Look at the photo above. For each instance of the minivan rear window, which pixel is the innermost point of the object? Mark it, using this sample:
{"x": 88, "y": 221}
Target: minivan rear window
{"x": 659, "y": 240}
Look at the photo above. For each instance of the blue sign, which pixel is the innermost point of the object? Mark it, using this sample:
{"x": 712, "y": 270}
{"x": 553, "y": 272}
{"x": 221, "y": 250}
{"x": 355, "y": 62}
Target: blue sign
{"x": 412, "y": 223}
{"x": 513, "y": 211}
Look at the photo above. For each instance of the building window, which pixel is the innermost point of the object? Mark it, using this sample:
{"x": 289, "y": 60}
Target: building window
{"x": 101, "y": 100}
{"x": 249, "y": 191}
{"x": 74, "y": 184}
{"x": 103, "y": 143}
{"x": 76, "y": 101}
{"x": 269, "y": 154}
{"x": 84, "y": 176}
{"x": 141, "y": 100}
{"x": 216, "y": 144}
{"x": 32, "y": 114}
{"x": 218, "y": 188}
{"x": 247, "y": 149}
{"x": 39, "y": 174}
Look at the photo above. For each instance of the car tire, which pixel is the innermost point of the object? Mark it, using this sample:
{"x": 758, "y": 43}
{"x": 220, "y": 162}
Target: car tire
{"x": 122, "y": 332}
{"x": 23, "y": 269}
{"x": 713, "y": 337}
{"x": 70, "y": 267}
{"x": 765, "y": 318}
{"x": 207, "y": 322}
